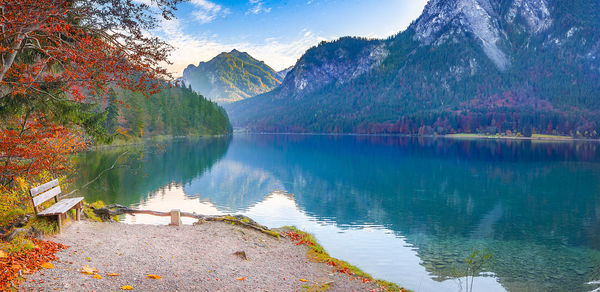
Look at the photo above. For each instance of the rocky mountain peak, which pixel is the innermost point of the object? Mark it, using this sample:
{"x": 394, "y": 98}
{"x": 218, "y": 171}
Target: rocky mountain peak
{"x": 335, "y": 62}
{"x": 444, "y": 20}
{"x": 535, "y": 12}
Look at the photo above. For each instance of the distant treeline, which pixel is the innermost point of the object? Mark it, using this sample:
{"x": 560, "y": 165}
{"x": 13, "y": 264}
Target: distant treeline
{"x": 173, "y": 111}
{"x": 484, "y": 121}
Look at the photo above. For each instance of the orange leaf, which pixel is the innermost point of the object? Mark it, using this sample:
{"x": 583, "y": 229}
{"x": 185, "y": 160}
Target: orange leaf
{"x": 112, "y": 274}
{"x": 241, "y": 279}
{"x": 126, "y": 287}
{"x": 303, "y": 280}
{"x": 154, "y": 277}
{"x": 97, "y": 276}
{"x": 88, "y": 271}
{"x": 3, "y": 254}
{"x": 47, "y": 266}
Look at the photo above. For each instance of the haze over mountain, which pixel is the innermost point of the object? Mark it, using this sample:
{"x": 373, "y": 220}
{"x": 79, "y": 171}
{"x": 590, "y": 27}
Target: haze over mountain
{"x": 462, "y": 66}
{"x": 231, "y": 77}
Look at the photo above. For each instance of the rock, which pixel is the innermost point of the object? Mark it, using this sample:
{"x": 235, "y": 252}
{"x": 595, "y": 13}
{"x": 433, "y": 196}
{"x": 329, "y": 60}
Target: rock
{"x": 21, "y": 231}
{"x": 241, "y": 254}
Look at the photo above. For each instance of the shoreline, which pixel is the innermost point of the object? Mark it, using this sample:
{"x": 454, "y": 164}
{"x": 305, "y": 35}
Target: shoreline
{"x": 142, "y": 141}
{"x": 548, "y": 138}
{"x": 460, "y": 136}
{"x": 202, "y": 257}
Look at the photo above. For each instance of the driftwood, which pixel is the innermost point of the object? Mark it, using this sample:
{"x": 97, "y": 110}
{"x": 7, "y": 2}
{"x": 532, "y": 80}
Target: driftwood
{"x": 109, "y": 211}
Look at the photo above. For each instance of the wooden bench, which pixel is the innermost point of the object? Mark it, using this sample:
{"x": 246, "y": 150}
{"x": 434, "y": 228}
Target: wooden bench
{"x": 51, "y": 190}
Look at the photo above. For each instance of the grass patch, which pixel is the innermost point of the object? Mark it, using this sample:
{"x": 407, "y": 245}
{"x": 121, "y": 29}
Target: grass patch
{"x": 43, "y": 225}
{"x": 515, "y": 136}
{"x": 17, "y": 245}
{"x": 318, "y": 254}
{"x": 551, "y": 137}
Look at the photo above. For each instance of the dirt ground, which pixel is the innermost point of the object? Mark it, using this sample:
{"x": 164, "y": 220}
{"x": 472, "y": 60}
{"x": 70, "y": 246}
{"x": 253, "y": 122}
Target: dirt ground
{"x": 187, "y": 258}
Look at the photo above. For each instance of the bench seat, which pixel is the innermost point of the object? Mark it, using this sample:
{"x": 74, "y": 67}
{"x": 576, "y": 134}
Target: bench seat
{"x": 61, "y": 207}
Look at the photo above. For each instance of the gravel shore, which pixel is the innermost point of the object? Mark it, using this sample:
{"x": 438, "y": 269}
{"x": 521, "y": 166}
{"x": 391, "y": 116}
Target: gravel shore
{"x": 187, "y": 258}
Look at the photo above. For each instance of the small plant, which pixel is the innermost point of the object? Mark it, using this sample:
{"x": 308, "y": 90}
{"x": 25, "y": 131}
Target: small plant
{"x": 474, "y": 264}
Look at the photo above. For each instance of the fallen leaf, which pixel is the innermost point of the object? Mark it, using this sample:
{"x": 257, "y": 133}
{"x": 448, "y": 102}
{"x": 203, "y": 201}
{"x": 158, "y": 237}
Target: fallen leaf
{"x": 112, "y": 274}
{"x": 241, "y": 279}
{"x": 47, "y": 266}
{"x": 3, "y": 254}
{"x": 13, "y": 267}
{"x": 88, "y": 271}
{"x": 303, "y": 280}
{"x": 154, "y": 277}
{"x": 126, "y": 287}
{"x": 97, "y": 276}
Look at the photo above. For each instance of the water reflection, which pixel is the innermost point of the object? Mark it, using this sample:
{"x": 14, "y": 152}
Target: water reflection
{"x": 168, "y": 198}
{"x": 404, "y": 209}
{"x": 142, "y": 169}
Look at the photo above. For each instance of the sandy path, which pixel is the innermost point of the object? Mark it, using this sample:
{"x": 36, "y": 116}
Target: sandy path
{"x": 188, "y": 258}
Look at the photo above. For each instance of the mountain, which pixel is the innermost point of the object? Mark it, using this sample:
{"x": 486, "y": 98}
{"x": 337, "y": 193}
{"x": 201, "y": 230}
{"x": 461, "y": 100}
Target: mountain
{"x": 284, "y": 72}
{"x": 463, "y": 66}
{"x": 231, "y": 77}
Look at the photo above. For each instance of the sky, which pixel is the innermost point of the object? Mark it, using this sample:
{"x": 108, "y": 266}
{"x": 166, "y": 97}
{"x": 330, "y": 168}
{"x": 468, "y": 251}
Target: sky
{"x": 277, "y": 32}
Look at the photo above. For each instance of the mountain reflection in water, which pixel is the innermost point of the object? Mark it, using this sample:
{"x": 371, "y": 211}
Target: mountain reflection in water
{"x": 403, "y": 209}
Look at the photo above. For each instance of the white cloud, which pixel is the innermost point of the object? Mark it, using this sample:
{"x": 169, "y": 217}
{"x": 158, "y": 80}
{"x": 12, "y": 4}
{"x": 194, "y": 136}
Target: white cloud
{"x": 208, "y": 11}
{"x": 191, "y": 49}
{"x": 257, "y": 7}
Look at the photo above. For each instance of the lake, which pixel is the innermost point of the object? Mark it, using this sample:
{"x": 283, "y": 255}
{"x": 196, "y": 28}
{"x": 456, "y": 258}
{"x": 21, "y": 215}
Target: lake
{"x": 404, "y": 209}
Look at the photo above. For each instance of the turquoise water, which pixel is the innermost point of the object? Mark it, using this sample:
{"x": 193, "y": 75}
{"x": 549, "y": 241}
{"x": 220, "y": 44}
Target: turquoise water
{"x": 406, "y": 210}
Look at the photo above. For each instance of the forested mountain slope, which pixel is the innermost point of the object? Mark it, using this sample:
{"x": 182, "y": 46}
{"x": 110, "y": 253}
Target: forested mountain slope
{"x": 173, "y": 111}
{"x": 463, "y": 66}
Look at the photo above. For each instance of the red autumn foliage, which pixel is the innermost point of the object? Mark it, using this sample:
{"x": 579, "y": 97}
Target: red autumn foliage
{"x": 75, "y": 48}
{"x": 14, "y": 265}
{"x": 30, "y": 146}
{"x": 304, "y": 242}
{"x": 293, "y": 236}
{"x": 54, "y": 51}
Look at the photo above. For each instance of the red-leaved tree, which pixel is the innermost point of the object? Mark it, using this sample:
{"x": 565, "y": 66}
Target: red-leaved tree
{"x": 56, "y": 54}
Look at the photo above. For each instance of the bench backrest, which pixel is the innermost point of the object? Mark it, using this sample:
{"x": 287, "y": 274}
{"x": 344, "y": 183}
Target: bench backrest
{"x": 43, "y": 193}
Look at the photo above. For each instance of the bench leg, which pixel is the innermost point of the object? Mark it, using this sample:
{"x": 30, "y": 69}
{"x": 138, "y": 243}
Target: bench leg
{"x": 78, "y": 213}
{"x": 59, "y": 221}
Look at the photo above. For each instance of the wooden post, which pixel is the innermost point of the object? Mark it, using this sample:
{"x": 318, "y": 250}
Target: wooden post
{"x": 175, "y": 217}
{"x": 78, "y": 212}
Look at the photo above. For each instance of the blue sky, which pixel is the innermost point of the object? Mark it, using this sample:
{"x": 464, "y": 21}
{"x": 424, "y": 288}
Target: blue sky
{"x": 277, "y": 31}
